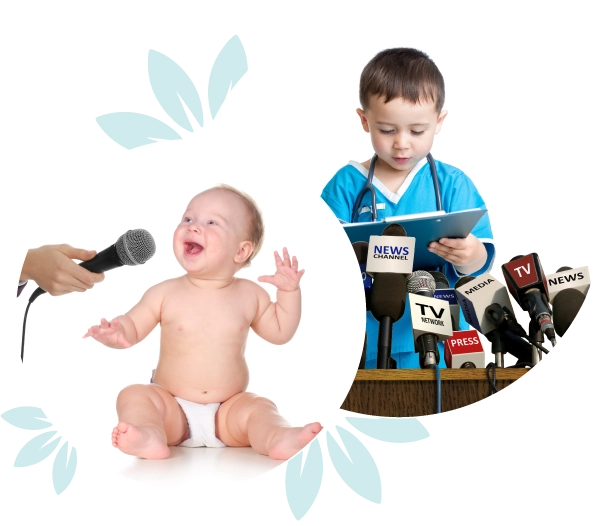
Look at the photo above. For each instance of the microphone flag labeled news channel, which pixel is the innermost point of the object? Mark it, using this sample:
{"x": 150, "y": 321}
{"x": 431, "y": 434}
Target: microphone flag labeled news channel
{"x": 134, "y": 247}
{"x": 431, "y": 318}
{"x": 486, "y": 306}
{"x": 390, "y": 260}
{"x": 567, "y": 291}
{"x": 443, "y": 291}
{"x": 528, "y": 285}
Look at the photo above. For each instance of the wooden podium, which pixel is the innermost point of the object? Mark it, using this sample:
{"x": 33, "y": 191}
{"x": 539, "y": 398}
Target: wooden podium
{"x": 413, "y": 392}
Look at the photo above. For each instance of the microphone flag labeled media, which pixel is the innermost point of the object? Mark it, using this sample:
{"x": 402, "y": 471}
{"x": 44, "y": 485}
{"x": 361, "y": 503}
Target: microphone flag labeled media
{"x": 476, "y": 295}
{"x": 390, "y": 254}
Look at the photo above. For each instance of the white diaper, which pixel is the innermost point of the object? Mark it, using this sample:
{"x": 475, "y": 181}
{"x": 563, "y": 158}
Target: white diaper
{"x": 201, "y": 422}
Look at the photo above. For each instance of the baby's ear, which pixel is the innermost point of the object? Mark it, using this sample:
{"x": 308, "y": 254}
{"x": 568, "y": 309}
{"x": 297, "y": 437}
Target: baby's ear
{"x": 245, "y": 250}
{"x": 440, "y": 120}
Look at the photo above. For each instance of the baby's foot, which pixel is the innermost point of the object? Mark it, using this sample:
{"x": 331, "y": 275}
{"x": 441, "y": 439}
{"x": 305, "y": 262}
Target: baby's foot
{"x": 287, "y": 441}
{"x": 143, "y": 441}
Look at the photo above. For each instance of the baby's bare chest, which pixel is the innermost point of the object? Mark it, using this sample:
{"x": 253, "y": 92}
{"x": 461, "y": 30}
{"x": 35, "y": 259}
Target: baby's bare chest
{"x": 193, "y": 315}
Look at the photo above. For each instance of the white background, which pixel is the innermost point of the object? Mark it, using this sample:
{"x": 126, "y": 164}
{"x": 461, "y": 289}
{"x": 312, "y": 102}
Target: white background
{"x": 525, "y": 94}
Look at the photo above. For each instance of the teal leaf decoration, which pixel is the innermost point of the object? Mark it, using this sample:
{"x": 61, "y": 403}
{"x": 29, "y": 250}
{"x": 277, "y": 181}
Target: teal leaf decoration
{"x": 396, "y": 430}
{"x": 35, "y": 451}
{"x": 359, "y": 472}
{"x": 135, "y": 129}
{"x": 228, "y": 68}
{"x": 63, "y": 469}
{"x": 169, "y": 83}
{"x": 26, "y": 418}
{"x": 302, "y": 489}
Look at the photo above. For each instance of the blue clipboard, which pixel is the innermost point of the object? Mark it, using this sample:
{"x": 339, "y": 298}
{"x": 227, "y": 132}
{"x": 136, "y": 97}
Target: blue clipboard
{"x": 424, "y": 229}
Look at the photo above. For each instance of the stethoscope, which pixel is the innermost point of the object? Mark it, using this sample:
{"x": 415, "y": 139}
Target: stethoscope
{"x": 369, "y": 186}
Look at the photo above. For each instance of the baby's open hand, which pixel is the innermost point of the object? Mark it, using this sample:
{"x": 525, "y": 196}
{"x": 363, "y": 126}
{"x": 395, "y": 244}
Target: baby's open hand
{"x": 287, "y": 278}
{"x": 111, "y": 334}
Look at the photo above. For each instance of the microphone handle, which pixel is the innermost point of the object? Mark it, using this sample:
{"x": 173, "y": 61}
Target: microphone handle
{"x": 384, "y": 342}
{"x": 106, "y": 260}
{"x": 427, "y": 347}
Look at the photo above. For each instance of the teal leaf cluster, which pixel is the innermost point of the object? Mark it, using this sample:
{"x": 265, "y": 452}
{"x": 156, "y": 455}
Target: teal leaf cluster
{"x": 356, "y": 467}
{"x": 173, "y": 88}
{"x": 39, "y": 447}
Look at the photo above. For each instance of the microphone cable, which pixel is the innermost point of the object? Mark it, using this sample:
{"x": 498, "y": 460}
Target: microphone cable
{"x": 438, "y": 373}
{"x": 29, "y": 302}
{"x": 492, "y": 380}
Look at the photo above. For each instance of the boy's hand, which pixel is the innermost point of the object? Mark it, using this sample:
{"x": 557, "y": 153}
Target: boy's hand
{"x": 287, "y": 278}
{"x": 460, "y": 251}
{"x": 111, "y": 334}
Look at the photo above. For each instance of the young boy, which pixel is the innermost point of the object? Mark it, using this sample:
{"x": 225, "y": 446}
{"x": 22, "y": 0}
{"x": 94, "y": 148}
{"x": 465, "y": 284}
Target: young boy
{"x": 198, "y": 396}
{"x": 402, "y": 94}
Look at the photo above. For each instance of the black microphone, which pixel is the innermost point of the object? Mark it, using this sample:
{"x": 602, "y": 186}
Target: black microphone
{"x": 528, "y": 285}
{"x": 431, "y": 318}
{"x": 443, "y": 291}
{"x": 566, "y": 305}
{"x": 486, "y": 306}
{"x": 361, "y": 249}
{"x": 134, "y": 247}
{"x": 387, "y": 304}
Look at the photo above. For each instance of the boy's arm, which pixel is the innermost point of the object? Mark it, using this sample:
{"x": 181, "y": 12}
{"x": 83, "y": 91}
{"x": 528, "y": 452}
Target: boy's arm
{"x": 277, "y": 322}
{"x": 131, "y": 328}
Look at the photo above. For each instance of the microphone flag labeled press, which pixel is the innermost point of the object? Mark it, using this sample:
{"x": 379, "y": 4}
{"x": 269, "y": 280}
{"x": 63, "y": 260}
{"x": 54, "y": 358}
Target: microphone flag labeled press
{"x": 464, "y": 350}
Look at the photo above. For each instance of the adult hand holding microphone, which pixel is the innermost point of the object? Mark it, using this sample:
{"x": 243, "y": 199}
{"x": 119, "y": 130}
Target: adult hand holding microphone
{"x": 53, "y": 269}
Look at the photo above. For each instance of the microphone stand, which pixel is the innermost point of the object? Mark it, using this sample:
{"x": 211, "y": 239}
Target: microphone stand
{"x": 536, "y": 335}
{"x": 385, "y": 337}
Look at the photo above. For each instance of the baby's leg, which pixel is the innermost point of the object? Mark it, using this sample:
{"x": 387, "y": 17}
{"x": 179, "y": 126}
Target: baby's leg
{"x": 150, "y": 419}
{"x": 250, "y": 420}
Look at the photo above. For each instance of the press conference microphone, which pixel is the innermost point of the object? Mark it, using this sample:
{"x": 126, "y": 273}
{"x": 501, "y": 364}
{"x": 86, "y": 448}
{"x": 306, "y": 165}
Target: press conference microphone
{"x": 387, "y": 304}
{"x": 528, "y": 285}
{"x": 464, "y": 350}
{"x": 486, "y": 306}
{"x": 568, "y": 278}
{"x": 566, "y": 305}
{"x": 431, "y": 318}
{"x": 361, "y": 248}
{"x": 443, "y": 291}
{"x": 134, "y": 247}
{"x": 390, "y": 259}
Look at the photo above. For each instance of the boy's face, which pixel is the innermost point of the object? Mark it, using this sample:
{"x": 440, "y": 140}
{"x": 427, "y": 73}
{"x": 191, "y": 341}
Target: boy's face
{"x": 210, "y": 241}
{"x": 402, "y": 133}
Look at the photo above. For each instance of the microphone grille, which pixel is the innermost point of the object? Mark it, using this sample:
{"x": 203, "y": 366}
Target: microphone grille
{"x": 441, "y": 282}
{"x": 135, "y": 247}
{"x": 421, "y": 282}
{"x": 394, "y": 229}
{"x": 463, "y": 281}
{"x": 562, "y": 269}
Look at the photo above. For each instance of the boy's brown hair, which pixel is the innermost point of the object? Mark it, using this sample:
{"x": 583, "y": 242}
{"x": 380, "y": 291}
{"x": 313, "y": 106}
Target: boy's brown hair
{"x": 256, "y": 224}
{"x": 402, "y": 72}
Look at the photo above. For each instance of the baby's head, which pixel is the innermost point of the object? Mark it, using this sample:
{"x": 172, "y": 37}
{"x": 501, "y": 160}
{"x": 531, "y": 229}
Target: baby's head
{"x": 221, "y": 231}
{"x": 402, "y": 94}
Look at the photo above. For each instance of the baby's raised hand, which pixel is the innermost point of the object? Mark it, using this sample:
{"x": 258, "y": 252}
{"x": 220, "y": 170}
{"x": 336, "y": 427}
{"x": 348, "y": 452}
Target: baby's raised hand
{"x": 111, "y": 334}
{"x": 287, "y": 278}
